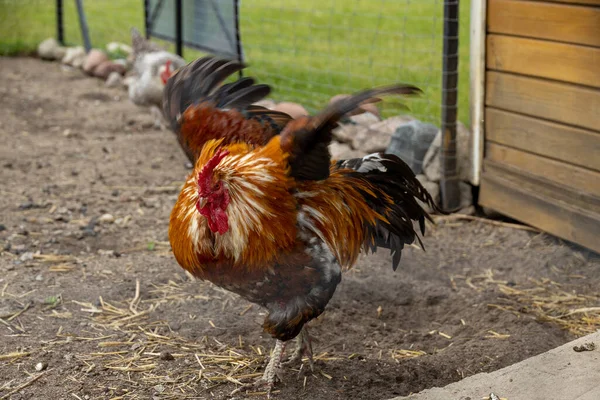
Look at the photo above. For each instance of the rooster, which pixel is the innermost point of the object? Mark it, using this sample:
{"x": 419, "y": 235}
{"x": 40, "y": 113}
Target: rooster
{"x": 266, "y": 213}
{"x": 152, "y": 66}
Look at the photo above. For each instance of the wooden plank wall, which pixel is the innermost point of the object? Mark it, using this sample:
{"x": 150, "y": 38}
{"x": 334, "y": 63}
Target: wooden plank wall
{"x": 542, "y": 115}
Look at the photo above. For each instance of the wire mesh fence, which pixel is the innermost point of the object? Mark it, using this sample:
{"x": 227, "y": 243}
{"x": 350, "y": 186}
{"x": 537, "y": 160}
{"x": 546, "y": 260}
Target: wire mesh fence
{"x": 308, "y": 50}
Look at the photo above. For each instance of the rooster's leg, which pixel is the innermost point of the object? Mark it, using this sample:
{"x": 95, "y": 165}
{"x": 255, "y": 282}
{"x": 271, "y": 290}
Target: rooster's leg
{"x": 158, "y": 117}
{"x": 272, "y": 371}
{"x": 303, "y": 348}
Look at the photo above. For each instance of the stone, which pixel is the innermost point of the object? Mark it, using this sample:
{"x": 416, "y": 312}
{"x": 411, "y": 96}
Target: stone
{"x": 343, "y": 151}
{"x": 50, "y": 49}
{"x": 116, "y": 47}
{"x": 432, "y": 165}
{"x": 411, "y": 141}
{"x": 74, "y": 56}
{"x": 114, "y": 80}
{"x": 103, "y": 70}
{"x": 347, "y": 132}
{"x": 433, "y": 188}
{"x": 106, "y": 219}
{"x": 371, "y": 140}
{"x": 294, "y": 110}
{"x": 466, "y": 194}
{"x": 94, "y": 58}
{"x": 389, "y": 125}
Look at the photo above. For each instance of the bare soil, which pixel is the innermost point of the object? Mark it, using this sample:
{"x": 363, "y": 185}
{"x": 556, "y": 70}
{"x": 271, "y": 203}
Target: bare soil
{"x": 480, "y": 298}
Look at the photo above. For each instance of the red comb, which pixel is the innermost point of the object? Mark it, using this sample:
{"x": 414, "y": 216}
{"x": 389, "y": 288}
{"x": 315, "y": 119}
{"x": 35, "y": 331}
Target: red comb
{"x": 204, "y": 176}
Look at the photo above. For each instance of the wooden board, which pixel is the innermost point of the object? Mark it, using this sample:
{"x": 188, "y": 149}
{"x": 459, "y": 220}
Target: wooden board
{"x": 561, "y": 102}
{"x": 580, "y": 179}
{"x": 534, "y": 206}
{"x": 542, "y": 20}
{"x": 581, "y": 2}
{"x": 549, "y": 139}
{"x": 559, "y": 61}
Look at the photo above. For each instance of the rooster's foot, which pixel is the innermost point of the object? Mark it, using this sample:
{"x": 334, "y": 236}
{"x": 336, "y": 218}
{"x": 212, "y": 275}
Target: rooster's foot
{"x": 272, "y": 371}
{"x": 303, "y": 348}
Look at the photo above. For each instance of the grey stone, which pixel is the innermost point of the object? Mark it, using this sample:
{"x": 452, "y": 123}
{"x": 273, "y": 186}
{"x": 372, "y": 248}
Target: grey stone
{"x": 466, "y": 194}
{"x": 432, "y": 165}
{"x": 411, "y": 141}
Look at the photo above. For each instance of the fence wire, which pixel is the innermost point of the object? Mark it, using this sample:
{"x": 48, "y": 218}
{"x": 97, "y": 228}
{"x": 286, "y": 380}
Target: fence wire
{"x": 308, "y": 50}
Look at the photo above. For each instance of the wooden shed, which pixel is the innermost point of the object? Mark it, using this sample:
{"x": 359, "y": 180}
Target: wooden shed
{"x": 535, "y": 86}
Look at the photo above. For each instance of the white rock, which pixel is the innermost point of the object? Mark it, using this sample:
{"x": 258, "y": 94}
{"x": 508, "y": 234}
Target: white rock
{"x": 106, "y": 219}
{"x": 50, "y": 49}
{"x": 347, "y": 132}
{"x": 390, "y": 125}
{"x": 41, "y": 366}
{"x": 74, "y": 56}
{"x": 343, "y": 151}
{"x": 114, "y": 80}
{"x": 432, "y": 165}
{"x": 114, "y": 47}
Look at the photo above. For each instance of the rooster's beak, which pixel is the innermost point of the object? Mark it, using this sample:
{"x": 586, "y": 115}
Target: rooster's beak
{"x": 202, "y": 202}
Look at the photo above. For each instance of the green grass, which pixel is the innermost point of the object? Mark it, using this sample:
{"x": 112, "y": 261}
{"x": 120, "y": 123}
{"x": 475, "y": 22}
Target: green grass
{"x": 307, "y": 50}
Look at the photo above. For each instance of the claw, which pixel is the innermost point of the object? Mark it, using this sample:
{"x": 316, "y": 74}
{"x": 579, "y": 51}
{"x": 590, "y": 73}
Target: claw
{"x": 303, "y": 348}
{"x": 272, "y": 371}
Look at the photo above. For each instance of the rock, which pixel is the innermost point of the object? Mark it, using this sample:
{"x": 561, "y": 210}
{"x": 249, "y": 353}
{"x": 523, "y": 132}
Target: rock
{"x": 116, "y": 47}
{"x": 129, "y": 80}
{"x": 390, "y": 125}
{"x": 266, "y": 103}
{"x": 466, "y": 195}
{"x": 434, "y": 190}
{"x": 411, "y": 141}
{"x": 122, "y": 62}
{"x": 114, "y": 80}
{"x": 371, "y": 140}
{"x": 432, "y": 166}
{"x": 106, "y": 219}
{"x": 74, "y": 56}
{"x": 104, "y": 69}
{"x": 355, "y": 124}
{"x": 365, "y": 108}
{"x": 28, "y": 256}
{"x": 94, "y": 58}
{"x": 294, "y": 110}
{"x": 343, "y": 151}
{"x": 50, "y": 49}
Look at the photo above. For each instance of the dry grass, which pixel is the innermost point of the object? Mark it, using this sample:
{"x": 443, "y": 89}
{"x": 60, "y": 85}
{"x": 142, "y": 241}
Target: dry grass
{"x": 545, "y": 299}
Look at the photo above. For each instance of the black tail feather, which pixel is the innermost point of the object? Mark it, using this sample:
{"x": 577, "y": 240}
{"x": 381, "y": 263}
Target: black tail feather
{"x": 395, "y": 181}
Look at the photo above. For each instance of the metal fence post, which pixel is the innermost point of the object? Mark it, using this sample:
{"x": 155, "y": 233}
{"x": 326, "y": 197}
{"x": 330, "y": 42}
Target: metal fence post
{"x": 178, "y": 28}
{"x": 147, "y": 18}
{"x": 84, "y": 26}
{"x": 60, "y": 29}
{"x": 449, "y": 185}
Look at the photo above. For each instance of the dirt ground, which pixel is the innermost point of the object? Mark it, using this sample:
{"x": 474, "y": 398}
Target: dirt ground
{"x": 87, "y": 188}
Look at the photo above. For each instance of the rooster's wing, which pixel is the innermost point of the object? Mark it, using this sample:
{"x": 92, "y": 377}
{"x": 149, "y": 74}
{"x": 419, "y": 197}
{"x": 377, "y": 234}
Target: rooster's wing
{"x": 199, "y": 108}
